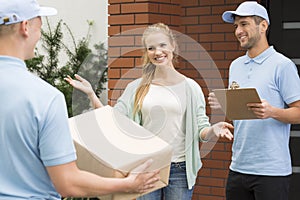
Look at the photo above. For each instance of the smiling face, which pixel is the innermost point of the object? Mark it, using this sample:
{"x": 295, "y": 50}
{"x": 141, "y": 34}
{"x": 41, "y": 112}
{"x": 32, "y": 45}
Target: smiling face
{"x": 247, "y": 31}
{"x": 159, "y": 49}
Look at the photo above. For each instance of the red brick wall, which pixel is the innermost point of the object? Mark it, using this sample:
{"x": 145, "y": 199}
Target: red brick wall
{"x": 126, "y": 22}
{"x": 206, "y": 50}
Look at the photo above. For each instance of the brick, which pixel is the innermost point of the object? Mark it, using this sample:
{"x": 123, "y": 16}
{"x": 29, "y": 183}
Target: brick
{"x": 190, "y": 55}
{"x": 210, "y": 19}
{"x": 196, "y": 11}
{"x": 235, "y": 2}
{"x": 176, "y": 20}
{"x": 114, "y": 51}
{"x": 223, "y": 64}
{"x": 190, "y": 3}
{"x": 169, "y": 9}
{"x": 231, "y": 55}
{"x": 154, "y": 1}
{"x": 216, "y": 146}
{"x": 210, "y": 197}
{"x": 189, "y": 20}
{"x": 120, "y": 19}
{"x": 114, "y": 73}
{"x": 218, "y": 10}
{"x": 131, "y": 52}
{"x": 202, "y": 189}
{"x": 219, "y": 173}
{"x": 190, "y": 46}
{"x": 225, "y": 46}
{"x": 200, "y": 82}
{"x": 138, "y": 62}
{"x": 216, "y": 164}
{"x": 113, "y": 30}
{"x": 218, "y": 84}
{"x": 119, "y": 1}
{"x": 135, "y": 8}
{"x": 138, "y": 41}
{"x": 133, "y": 73}
{"x": 114, "y": 94}
{"x": 211, "y": 2}
{"x": 217, "y": 55}
{"x": 119, "y": 41}
{"x": 205, "y": 153}
{"x": 200, "y": 66}
{"x": 217, "y": 118}
{"x": 190, "y": 73}
{"x": 228, "y": 146}
{"x": 133, "y": 29}
{"x": 114, "y": 9}
{"x": 204, "y": 172}
{"x": 118, "y": 83}
{"x": 219, "y": 191}
{"x": 216, "y": 182}
{"x": 220, "y": 155}
{"x": 207, "y": 46}
{"x": 141, "y": 18}
{"x": 155, "y": 18}
{"x": 176, "y": 2}
{"x": 230, "y": 37}
{"x": 120, "y": 62}
{"x": 209, "y": 74}
{"x": 211, "y": 37}
{"x": 199, "y": 29}
{"x": 223, "y": 28}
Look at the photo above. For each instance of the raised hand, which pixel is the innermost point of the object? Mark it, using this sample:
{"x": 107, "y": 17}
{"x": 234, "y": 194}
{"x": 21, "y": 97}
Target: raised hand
{"x": 222, "y": 129}
{"x": 85, "y": 86}
{"x": 80, "y": 84}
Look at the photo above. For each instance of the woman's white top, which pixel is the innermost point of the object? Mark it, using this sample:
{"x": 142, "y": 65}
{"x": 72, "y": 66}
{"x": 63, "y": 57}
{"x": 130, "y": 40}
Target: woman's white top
{"x": 163, "y": 113}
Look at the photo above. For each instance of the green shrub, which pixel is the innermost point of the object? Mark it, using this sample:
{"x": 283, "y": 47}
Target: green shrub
{"x": 80, "y": 60}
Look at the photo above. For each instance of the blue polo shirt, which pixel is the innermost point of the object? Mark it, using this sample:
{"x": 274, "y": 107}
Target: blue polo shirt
{"x": 261, "y": 146}
{"x": 34, "y": 133}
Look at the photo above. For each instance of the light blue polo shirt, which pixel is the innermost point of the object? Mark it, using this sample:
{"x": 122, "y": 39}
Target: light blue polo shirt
{"x": 34, "y": 133}
{"x": 261, "y": 146}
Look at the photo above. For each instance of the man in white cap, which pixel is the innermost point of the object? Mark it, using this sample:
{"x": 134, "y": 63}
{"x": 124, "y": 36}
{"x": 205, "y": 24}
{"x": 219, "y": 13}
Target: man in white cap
{"x": 261, "y": 163}
{"x": 37, "y": 156}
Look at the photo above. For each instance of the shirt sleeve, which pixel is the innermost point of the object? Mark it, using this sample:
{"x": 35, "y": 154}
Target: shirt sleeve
{"x": 55, "y": 141}
{"x": 289, "y": 82}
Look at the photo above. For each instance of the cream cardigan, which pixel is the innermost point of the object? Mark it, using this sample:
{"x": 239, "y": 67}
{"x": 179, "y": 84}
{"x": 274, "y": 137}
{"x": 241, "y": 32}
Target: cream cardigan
{"x": 196, "y": 121}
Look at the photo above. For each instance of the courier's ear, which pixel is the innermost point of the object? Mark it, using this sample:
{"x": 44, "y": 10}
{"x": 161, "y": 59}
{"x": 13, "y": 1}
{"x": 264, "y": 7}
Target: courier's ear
{"x": 264, "y": 26}
{"x": 24, "y": 28}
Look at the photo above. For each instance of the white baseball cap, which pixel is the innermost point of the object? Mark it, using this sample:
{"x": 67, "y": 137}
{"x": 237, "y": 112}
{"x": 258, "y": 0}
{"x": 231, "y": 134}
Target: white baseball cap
{"x": 14, "y": 11}
{"x": 247, "y": 8}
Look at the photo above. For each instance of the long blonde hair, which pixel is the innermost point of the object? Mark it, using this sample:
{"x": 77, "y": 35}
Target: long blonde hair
{"x": 149, "y": 68}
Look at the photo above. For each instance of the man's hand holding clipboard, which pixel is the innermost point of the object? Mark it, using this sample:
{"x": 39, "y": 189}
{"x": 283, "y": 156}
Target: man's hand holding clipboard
{"x": 237, "y": 103}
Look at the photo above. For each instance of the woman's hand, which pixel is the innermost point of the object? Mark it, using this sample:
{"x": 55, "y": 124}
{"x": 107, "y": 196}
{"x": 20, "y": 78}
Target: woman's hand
{"x": 80, "y": 84}
{"x": 222, "y": 129}
{"x": 219, "y": 130}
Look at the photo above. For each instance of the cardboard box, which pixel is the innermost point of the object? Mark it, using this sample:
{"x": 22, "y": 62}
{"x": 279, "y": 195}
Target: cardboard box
{"x": 234, "y": 102}
{"x": 110, "y": 145}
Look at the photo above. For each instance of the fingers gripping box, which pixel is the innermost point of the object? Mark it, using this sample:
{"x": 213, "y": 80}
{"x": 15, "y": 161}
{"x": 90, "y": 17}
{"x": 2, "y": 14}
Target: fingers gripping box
{"x": 110, "y": 144}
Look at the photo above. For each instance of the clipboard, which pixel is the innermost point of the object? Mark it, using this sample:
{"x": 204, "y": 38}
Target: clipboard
{"x": 234, "y": 102}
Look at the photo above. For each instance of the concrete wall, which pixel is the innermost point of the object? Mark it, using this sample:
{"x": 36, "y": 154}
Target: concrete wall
{"x": 76, "y": 13}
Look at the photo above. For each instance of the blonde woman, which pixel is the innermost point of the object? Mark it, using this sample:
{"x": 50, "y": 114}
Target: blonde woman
{"x": 170, "y": 105}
